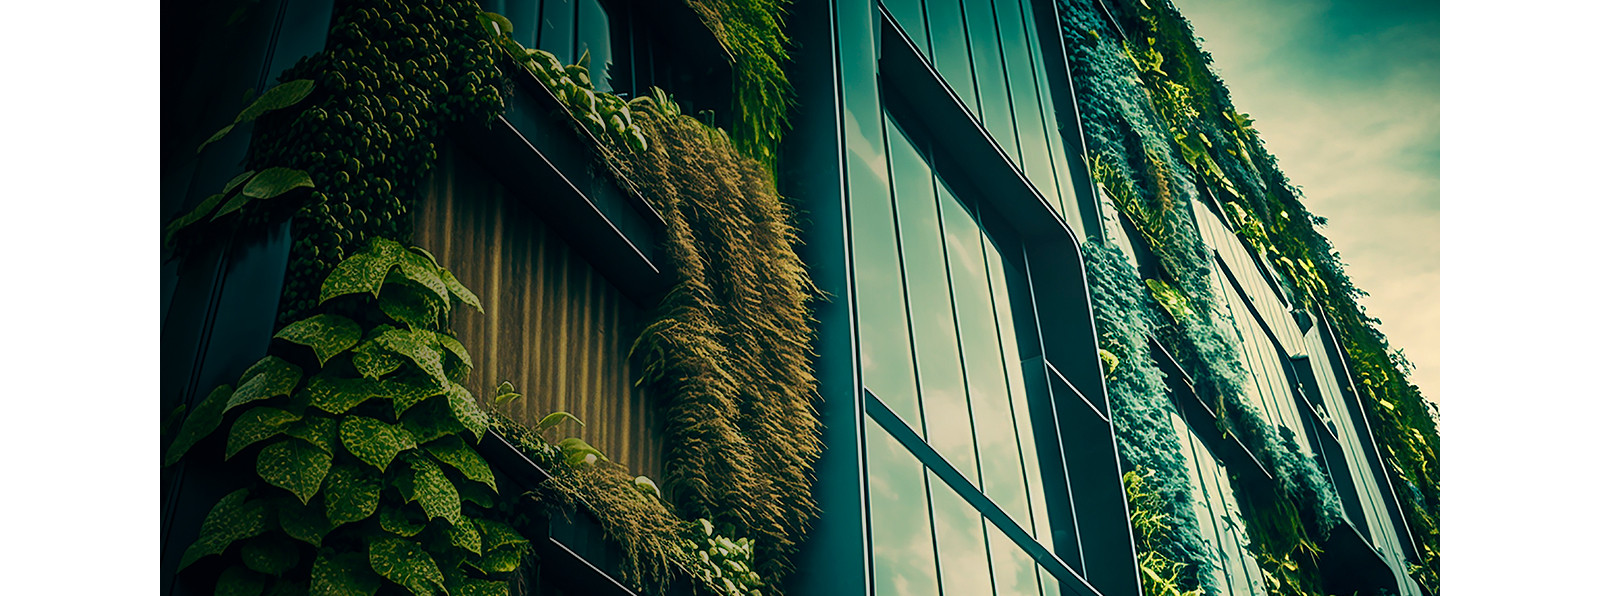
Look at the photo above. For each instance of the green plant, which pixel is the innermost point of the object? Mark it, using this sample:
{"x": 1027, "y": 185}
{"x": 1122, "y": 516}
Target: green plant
{"x": 1171, "y": 299}
{"x": 604, "y": 115}
{"x": 362, "y": 441}
{"x": 729, "y": 347}
{"x": 719, "y": 562}
{"x": 1162, "y": 575}
{"x": 752, "y": 30}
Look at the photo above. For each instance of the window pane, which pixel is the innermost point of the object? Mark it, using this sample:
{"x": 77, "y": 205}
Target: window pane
{"x": 1013, "y": 568}
{"x": 986, "y": 376}
{"x": 880, "y": 308}
{"x": 555, "y": 29}
{"x": 949, "y": 34}
{"x": 902, "y": 543}
{"x": 594, "y": 36}
{"x": 933, "y": 328}
{"x": 963, "y": 563}
{"x": 1022, "y": 414}
{"x": 991, "y": 74}
{"x": 909, "y": 14}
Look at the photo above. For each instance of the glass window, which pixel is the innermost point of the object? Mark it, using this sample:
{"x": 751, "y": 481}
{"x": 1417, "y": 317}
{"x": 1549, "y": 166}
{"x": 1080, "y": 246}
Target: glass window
{"x": 594, "y": 37}
{"x": 902, "y": 542}
{"x": 947, "y": 28}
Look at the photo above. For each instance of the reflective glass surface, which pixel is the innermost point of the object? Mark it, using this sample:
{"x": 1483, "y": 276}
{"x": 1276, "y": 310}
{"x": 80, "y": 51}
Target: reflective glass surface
{"x": 902, "y": 541}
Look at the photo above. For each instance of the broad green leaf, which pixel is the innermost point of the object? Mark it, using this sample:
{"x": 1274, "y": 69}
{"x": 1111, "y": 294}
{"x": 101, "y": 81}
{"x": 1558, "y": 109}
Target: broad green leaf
{"x": 294, "y": 465}
{"x": 256, "y": 425}
{"x": 370, "y": 440}
{"x": 232, "y": 519}
{"x": 417, "y": 347}
{"x": 320, "y": 431}
{"x": 494, "y": 24}
{"x": 1170, "y": 298}
{"x": 467, "y": 411}
{"x": 360, "y": 273}
{"x": 235, "y": 203}
{"x": 343, "y": 574}
{"x": 405, "y": 562}
{"x": 199, "y": 424}
{"x": 457, "y": 454}
{"x": 238, "y": 581}
{"x": 272, "y": 554}
{"x": 336, "y": 396}
{"x": 430, "y": 420}
{"x": 273, "y": 182}
{"x": 459, "y": 291}
{"x": 373, "y": 361}
{"x": 200, "y": 211}
{"x": 233, "y": 184}
{"x": 497, "y": 534}
{"x": 406, "y": 395}
{"x": 351, "y": 494}
{"x": 454, "y": 347}
{"x": 431, "y": 489}
{"x": 465, "y": 535}
{"x": 291, "y": 586}
{"x": 327, "y": 335}
{"x": 478, "y": 494}
{"x": 503, "y": 560}
{"x": 216, "y": 136}
{"x": 554, "y": 418}
{"x": 304, "y": 522}
{"x": 410, "y": 307}
{"x": 278, "y": 97}
{"x": 576, "y": 452}
{"x": 401, "y": 521}
{"x": 505, "y": 393}
{"x": 273, "y": 377}
{"x": 425, "y": 273}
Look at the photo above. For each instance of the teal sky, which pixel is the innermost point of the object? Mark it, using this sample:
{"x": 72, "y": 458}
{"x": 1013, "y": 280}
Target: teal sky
{"x": 1346, "y": 94}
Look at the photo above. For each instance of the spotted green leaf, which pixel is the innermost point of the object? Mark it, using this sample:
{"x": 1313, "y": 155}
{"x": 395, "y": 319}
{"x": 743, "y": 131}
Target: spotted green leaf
{"x": 304, "y": 522}
{"x": 320, "y": 431}
{"x": 431, "y": 489}
{"x": 503, "y": 560}
{"x": 199, "y": 424}
{"x": 465, "y": 535}
{"x": 336, "y": 396}
{"x": 232, "y": 519}
{"x": 401, "y": 521}
{"x": 294, "y": 465}
{"x": 424, "y": 272}
{"x": 256, "y": 425}
{"x": 373, "y": 361}
{"x": 351, "y": 494}
{"x": 454, "y": 347}
{"x": 459, "y": 291}
{"x": 363, "y": 272}
{"x": 272, "y": 554}
{"x": 454, "y": 452}
{"x": 410, "y": 307}
{"x": 344, "y": 574}
{"x": 327, "y": 335}
{"x": 498, "y": 534}
{"x": 418, "y": 347}
{"x": 272, "y": 377}
{"x": 370, "y": 440}
{"x": 238, "y": 581}
{"x": 467, "y": 411}
{"x": 461, "y": 585}
{"x": 405, "y": 562}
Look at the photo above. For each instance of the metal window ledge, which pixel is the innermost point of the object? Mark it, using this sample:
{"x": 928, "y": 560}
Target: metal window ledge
{"x": 543, "y": 157}
{"x": 1227, "y": 448}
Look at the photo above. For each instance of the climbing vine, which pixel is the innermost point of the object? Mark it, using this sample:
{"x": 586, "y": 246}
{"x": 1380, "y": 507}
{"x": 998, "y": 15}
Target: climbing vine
{"x": 361, "y": 436}
{"x": 752, "y": 30}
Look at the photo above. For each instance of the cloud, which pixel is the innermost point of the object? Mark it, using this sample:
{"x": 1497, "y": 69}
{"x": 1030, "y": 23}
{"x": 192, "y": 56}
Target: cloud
{"x": 1347, "y": 96}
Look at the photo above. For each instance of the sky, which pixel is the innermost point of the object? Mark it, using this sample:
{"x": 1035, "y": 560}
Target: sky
{"x": 1346, "y": 95}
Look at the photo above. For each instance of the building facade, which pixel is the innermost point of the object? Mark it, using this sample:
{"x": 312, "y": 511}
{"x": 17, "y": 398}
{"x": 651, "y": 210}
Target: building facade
{"x": 975, "y": 419}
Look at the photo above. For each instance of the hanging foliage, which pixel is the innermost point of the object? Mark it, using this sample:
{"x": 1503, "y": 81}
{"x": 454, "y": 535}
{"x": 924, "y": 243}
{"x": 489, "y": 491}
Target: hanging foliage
{"x": 752, "y": 30}
{"x": 729, "y": 346}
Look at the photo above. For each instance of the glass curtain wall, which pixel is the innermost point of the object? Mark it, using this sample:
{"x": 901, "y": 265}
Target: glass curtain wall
{"x": 939, "y": 349}
{"x": 988, "y": 53}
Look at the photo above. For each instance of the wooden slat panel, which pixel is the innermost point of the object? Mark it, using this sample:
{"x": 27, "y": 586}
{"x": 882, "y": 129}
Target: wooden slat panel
{"x": 552, "y": 325}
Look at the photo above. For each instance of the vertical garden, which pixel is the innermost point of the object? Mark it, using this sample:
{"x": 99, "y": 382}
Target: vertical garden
{"x": 354, "y": 459}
